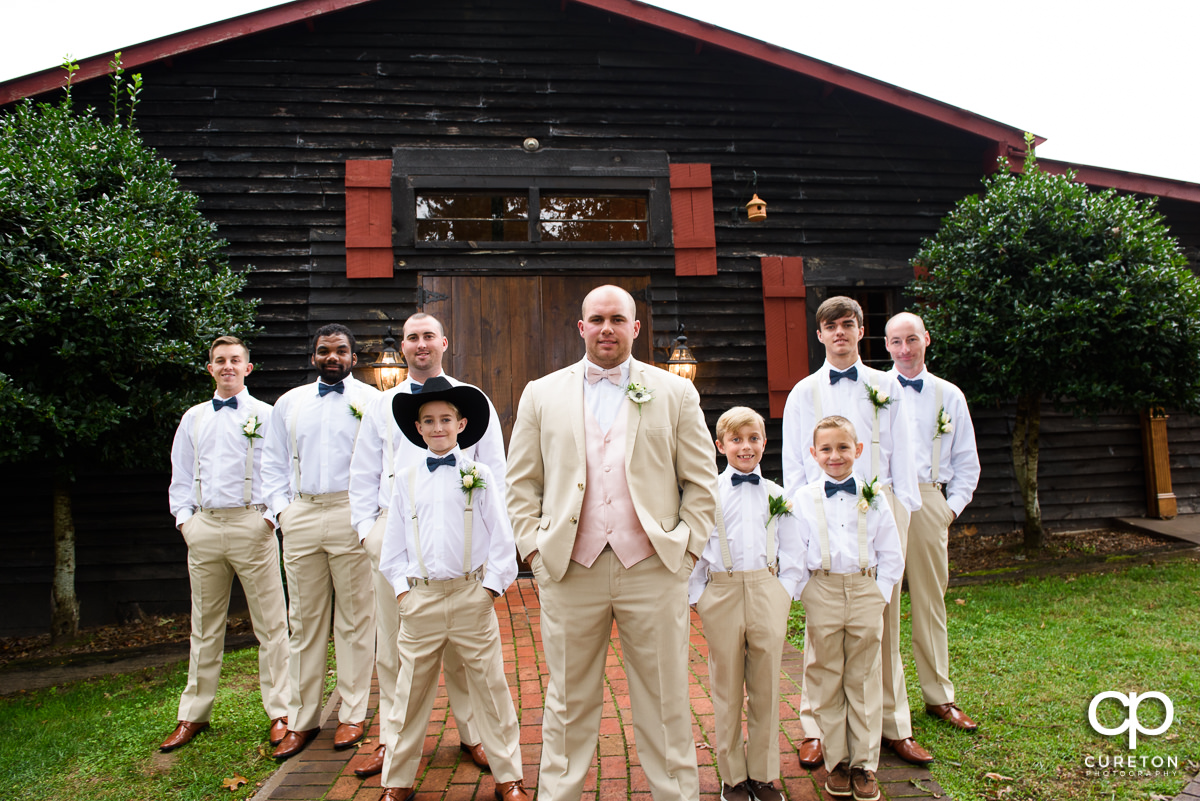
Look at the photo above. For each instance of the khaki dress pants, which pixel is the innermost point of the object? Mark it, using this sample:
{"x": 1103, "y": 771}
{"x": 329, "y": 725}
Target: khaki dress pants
{"x": 329, "y": 575}
{"x": 437, "y": 616}
{"x": 928, "y": 571}
{"x": 387, "y": 651}
{"x": 649, "y": 605}
{"x": 844, "y": 625}
{"x": 745, "y": 622}
{"x": 222, "y": 543}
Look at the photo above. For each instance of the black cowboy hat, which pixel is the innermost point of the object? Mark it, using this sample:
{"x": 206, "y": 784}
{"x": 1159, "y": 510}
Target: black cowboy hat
{"x": 470, "y": 402}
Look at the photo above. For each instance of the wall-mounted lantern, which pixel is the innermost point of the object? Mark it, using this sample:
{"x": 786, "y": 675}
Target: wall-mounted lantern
{"x": 391, "y": 368}
{"x": 681, "y": 362}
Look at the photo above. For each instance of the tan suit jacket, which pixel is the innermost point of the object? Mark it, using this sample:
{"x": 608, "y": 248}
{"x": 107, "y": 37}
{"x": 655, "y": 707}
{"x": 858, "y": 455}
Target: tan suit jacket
{"x": 669, "y": 462}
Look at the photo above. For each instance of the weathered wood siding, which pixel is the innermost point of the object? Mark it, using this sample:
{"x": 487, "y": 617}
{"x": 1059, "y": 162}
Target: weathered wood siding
{"x": 260, "y": 129}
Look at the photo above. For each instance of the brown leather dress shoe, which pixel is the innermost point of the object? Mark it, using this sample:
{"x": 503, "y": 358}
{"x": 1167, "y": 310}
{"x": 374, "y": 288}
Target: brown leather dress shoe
{"x": 348, "y": 734}
{"x": 476, "y": 754}
{"x": 278, "y": 730}
{"x": 182, "y": 735}
{"x": 863, "y": 785}
{"x": 908, "y": 750}
{"x": 511, "y": 791}
{"x": 810, "y": 753}
{"x": 397, "y": 794}
{"x": 293, "y": 743}
{"x": 837, "y": 783}
{"x": 952, "y": 715}
{"x": 373, "y": 765}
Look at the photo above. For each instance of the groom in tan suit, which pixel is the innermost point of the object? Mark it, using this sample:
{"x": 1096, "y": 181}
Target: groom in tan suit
{"x": 611, "y": 493}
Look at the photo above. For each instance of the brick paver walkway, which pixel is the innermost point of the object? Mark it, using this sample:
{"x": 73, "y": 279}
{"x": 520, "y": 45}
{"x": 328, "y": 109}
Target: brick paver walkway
{"x": 446, "y": 774}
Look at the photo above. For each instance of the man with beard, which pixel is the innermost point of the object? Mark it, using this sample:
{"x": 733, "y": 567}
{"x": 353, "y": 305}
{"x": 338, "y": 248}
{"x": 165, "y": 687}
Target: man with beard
{"x": 306, "y": 473}
{"x": 381, "y": 454}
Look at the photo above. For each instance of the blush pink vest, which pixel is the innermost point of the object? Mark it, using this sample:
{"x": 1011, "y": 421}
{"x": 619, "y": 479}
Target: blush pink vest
{"x": 608, "y": 516}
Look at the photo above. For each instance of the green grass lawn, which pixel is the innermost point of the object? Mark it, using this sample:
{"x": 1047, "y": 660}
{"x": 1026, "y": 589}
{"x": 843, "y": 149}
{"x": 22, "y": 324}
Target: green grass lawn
{"x": 98, "y": 739}
{"x": 1027, "y": 659}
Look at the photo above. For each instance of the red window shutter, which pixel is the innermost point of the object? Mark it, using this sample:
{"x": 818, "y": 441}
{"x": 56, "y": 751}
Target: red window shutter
{"x": 787, "y": 326}
{"x": 369, "y": 219}
{"x": 692, "y": 219}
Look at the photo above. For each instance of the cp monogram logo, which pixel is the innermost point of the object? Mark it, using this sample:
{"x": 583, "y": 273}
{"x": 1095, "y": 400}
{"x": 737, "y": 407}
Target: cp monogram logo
{"x": 1131, "y": 723}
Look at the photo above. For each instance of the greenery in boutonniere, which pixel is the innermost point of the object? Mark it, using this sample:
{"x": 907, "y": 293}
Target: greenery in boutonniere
{"x": 879, "y": 399}
{"x": 639, "y": 394}
{"x": 944, "y": 424}
{"x": 778, "y": 506}
{"x": 471, "y": 480}
{"x": 355, "y": 410}
{"x": 251, "y": 426}
{"x": 868, "y": 497}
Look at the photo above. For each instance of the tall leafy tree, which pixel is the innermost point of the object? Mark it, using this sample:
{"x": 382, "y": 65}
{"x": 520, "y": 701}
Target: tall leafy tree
{"x": 111, "y": 284}
{"x": 1041, "y": 289}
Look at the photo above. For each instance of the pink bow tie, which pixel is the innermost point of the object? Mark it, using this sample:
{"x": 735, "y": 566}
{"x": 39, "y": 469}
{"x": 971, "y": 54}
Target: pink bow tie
{"x": 613, "y": 375}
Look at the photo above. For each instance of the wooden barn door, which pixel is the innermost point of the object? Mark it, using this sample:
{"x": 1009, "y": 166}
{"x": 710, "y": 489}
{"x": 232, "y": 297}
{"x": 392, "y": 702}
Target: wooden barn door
{"x": 505, "y": 331}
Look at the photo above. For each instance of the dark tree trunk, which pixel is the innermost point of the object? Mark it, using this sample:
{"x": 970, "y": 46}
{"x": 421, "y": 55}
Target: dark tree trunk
{"x": 64, "y": 605}
{"x": 1025, "y": 447}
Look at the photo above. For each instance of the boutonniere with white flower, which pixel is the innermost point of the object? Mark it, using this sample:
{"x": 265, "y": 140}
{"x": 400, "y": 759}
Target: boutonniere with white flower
{"x": 778, "y": 506}
{"x": 868, "y": 496}
{"x": 944, "y": 424}
{"x": 878, "y": 397}
{"x": 356, "y": 410}
{"x": 251, "y": 426}
{"x": 639, "y": 394}
{"x": 471, "y": 480}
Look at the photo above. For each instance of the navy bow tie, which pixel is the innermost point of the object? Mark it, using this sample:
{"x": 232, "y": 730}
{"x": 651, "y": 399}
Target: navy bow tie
{"x": 847, "y": 486}
{"x": 434, "y": 463}
{"x": 915, "y": 383}
{"x": 218, "y": 405}
{"x": 835, "y": 376}
{"x": 415, "y": 388}
{"x": 738, "y": 478}
{"x": 325, "y": 389}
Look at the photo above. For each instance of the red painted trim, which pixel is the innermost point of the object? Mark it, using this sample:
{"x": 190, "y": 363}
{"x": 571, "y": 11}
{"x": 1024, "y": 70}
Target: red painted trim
{"x": 368, "y": 218}
{"x": 1125, "y": 181}
{"x": 785, "y": 317}
{"x": 176, "y": 44}
{"x": 693, "y": 225}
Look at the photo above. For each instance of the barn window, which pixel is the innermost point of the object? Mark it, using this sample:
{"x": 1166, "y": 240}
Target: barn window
{"x": 548, "y": 199}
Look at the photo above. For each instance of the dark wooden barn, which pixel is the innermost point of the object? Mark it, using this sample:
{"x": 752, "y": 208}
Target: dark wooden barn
{"x": 488, "y": 161}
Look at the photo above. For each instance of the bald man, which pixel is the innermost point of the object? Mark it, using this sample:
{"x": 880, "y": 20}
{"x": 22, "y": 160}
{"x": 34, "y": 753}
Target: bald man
{"x": 612, "y": 482}
{"x": 943, "y": 443}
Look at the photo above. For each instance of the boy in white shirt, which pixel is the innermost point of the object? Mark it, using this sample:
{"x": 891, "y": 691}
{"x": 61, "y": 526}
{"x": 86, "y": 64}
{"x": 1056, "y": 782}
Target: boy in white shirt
{"x": 852, "y": 560}
{"x": 448, "y": 551}
{"x": 742, "y": 586}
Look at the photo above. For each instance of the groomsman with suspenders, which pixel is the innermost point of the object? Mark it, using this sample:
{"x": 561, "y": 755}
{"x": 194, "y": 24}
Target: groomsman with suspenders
{"x": 943, "y": 440}
{"x": 306, "y": 473}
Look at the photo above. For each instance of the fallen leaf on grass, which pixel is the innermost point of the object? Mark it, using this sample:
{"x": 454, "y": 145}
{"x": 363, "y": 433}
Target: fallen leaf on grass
{"x": 960, "y": 601}
{"x": 997, "y": 777}
{"x": 234, "y": 783}
{"x": 1157, "y": 797}
{"x": 917, "y": 783}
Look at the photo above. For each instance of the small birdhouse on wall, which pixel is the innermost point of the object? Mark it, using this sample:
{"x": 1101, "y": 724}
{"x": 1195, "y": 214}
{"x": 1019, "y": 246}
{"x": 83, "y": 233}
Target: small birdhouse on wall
{"x": 756, "y": 209}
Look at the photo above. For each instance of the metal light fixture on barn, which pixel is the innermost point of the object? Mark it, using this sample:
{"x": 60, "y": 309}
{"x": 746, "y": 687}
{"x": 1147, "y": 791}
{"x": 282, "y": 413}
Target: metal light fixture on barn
{"x": 756, "y": 209}
{"x": 681, "y": 362}
{"x": 391, "y": 368}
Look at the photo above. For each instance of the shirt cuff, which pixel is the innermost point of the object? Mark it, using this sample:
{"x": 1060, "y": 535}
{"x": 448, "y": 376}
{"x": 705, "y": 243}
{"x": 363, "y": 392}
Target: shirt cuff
{"x": 183, "y": 517}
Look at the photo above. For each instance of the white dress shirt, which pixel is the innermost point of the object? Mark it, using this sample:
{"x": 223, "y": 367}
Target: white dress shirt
{"x": 841, "y": 518}
{"x": 958, "y": 467}
{"x": 372, "y": 468}
{"x": 745, "y": 509}
{"x": 848, "y": 398}
{"x": 222, "y": 444}
{"x": 440, "y": 503}
{"x": 604, "y": 399}
{"x": 326, "y": 428}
